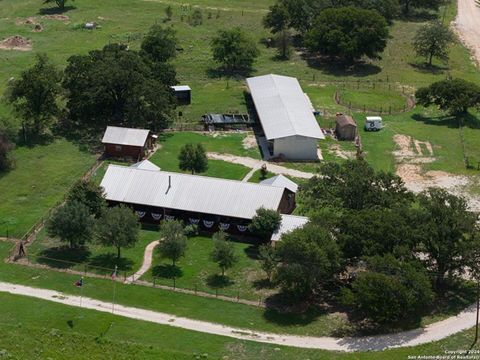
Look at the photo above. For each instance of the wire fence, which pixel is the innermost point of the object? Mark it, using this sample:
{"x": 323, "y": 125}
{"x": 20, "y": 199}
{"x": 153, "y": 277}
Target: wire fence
{"x": 199, "y": 288}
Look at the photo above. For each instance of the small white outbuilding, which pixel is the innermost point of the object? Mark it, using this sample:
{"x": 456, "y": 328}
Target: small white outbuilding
{"x": 286, "y": 116}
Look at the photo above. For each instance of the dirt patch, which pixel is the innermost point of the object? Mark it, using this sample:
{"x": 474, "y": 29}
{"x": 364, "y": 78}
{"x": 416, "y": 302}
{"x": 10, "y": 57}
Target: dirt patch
{"x": 342, "y": 154}
{"x": 26, "y": 21}
{"x": 250, "y": 142}
{"x": 16, "y": 43}
{"x": 410, "y": 156}
{"x": 58, "y": 17}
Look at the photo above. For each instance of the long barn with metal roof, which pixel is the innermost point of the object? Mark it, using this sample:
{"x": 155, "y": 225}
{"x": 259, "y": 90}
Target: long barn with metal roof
{"x": 286, "y": 116}
{"x": 159, "y": 194}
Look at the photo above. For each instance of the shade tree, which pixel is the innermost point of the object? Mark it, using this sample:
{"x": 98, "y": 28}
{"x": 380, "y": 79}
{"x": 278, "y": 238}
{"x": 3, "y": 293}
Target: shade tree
{"x": 173, "y": 242}
{"x": 223, "y": 252}
{"x": 118, "y": 227}
{"x": 34, "y": 96}
{"x": 193, "y": 158}
{"x": 234, "y": 50}
{"x": 265, "y": 222}
{"x": 453, "y": 95}
{"x": 433, "y": 40}
{"x": 347, "y": 34}
{"x": 89, "y": 194}
{"x": 72, "y": 223}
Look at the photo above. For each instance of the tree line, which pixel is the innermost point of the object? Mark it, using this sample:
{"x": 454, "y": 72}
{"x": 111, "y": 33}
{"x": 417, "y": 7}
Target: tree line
{"x": 384, "y": 253}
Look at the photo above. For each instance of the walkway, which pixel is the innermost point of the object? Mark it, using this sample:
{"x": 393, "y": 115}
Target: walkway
{"x": 433, "y": 332}
{"x": 257, "y": 164}
{"x": 147, "y": 262}
{"x": 468, "y": 26}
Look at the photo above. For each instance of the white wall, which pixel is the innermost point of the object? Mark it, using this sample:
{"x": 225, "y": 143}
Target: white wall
{"x": 296, "y": 148}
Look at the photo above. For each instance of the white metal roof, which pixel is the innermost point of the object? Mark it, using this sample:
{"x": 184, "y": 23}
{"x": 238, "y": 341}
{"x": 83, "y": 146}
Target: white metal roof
{"x": 181, "y": 88}
{"x": 125, "y": 136}
{"x": 145, "y": 165}
{"x": 289, "y": 223}
{"x": 189, "y": 192}
{"x": 281, "y": 181}
{"x": 283, "y": 108}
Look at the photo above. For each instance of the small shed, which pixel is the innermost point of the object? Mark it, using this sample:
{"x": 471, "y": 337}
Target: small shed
{"x": 183, "y": 94}
{"x": 345, "y": 127}
{"x": 127, "y": 142}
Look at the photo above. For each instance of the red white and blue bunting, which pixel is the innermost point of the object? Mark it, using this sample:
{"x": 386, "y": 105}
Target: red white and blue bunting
{"x": 140, "y": 214}
{"x": 242, "y": 228}
{"x": 224, "y": 226}
{"x": 156, "y": 217}
{"x": 194, "y": 221}
{"x": 208, "y": 224}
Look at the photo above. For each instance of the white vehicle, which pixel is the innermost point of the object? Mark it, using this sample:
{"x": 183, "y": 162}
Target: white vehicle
{"x": 373, "y": 123}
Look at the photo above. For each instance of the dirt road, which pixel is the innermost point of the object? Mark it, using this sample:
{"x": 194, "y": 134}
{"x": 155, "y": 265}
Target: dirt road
{"x": 433, "y": 332}
{"x": 467, "y": 25}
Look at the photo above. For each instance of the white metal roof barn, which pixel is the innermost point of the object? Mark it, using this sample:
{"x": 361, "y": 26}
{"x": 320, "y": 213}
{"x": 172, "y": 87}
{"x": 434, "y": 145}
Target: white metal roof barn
{"x": 125, "y": 136}
{"x": 286, "y": 116}
{"x": 191, "y": 193}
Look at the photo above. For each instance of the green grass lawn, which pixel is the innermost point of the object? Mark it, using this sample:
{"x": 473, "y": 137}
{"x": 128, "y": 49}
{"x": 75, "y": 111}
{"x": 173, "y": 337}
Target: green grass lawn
{"x": 94, "y": 258}
{"x": 372, "y": 99}
{"x": 40, "y": 179}
{"x": 171, "y": 143}
{"x": 197, "y": 270}
{"x": 59, "y": 332}
{"x": 257, "y": 176}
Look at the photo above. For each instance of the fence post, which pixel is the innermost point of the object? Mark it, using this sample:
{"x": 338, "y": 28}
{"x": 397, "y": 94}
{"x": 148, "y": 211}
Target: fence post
{"x": 216, "y": 292}
{"x": 390, "y": 109}
{"x": 85, "y": 269}
{"x": 154, "y": 281}
{"x": 364, "y": 108}
{"x": 238, "y": 295}
{"x": 195, "y": 289}
{"x": 174, "y": 283}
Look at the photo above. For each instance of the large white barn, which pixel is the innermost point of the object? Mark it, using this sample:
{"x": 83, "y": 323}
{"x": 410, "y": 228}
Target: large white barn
{"x": 286, "y": 116}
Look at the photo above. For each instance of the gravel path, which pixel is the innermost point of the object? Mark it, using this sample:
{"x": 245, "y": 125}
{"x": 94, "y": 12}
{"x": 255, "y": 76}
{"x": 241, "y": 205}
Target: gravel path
{"x": 433, "y": 332}
{"x": 255, "y": 164}
{"x": 467, "y": 25}
{"x": 147, "y": 262}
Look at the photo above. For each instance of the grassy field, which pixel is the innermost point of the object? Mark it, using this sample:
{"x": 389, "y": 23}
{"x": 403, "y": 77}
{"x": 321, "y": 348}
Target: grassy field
{"x": 197, "y": 270}
{"x": 171, "y": 143}
{"x": 127, "y": 21}
{"x": 94, "y": 258}
{"x": 40, "y": 179}
{"x": 59, "y": 332}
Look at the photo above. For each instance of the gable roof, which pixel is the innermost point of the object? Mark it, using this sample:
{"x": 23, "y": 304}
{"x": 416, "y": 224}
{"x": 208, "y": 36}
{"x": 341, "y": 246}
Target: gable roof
{"x": 281, "y": 181}
{"x": 283, "y": 108}
{"x": 345, "y": 120}
{"x": 125, "y": 136}
{"x": 145, "y": 165}
{"x": 189, "y": 192}
{"x": 289, "y": 223}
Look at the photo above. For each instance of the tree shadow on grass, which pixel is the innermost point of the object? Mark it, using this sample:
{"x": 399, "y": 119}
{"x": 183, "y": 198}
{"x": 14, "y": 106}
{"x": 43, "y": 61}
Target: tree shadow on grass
{"x": 419, "y": 15}
{"x": 217, "y": 281}
{"x": 338, "y": 68}
{"x": 237, "y": 74}
{"x": 425, "y": 68}
{"x": 56, "y": 10}
{"x": 252, "y": 252}
{"x": 167, "y": 271}
{"x": 110, "y": 260}
{"x": 63, "y": 257}
{"x": 450, "y": 121}
{"x": 263, "y": 284}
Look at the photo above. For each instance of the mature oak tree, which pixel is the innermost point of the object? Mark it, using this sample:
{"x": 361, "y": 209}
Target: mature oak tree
{"x": 223, "y": 252}
{"x": 34, "y": 96}
{"x": 116, "y": 86}
{"x": 265, "y": 223}
{"x": 71, "y": 223}
{"x": 455, "y": 95}
{"x": 348, "y": 33}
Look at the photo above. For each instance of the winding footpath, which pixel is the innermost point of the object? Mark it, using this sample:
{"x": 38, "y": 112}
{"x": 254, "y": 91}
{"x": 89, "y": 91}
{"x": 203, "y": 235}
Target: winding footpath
{"x": 433, "y": 332}
{"x": 147, "y": 262}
